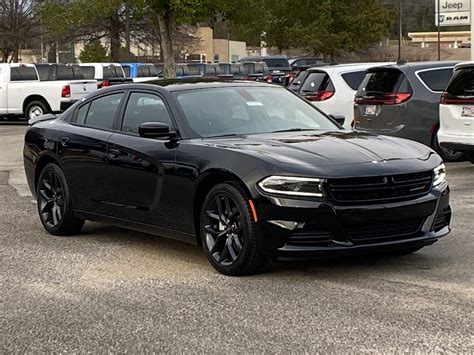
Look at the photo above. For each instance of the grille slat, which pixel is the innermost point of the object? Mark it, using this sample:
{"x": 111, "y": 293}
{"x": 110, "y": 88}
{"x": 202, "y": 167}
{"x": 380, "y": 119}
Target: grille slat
{"x": 376, "y": 232}
{"x": 381, "y": 188}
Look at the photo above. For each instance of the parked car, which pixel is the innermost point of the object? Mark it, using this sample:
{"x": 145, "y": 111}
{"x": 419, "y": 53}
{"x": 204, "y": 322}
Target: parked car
{"x": 456, "y": 112}
{"x": 183, "y": 71}
{"x": 106, "y": 74}
{"x": 332, "y": 88}
{"x": 22, "y": 92}
{"x": 246, "y": 170}
{"x": 403, "y": 100}
{"x": 140, "y": 72}
{"x": 296, "y": 63}
{"x": 75, "y": 86}
{"x": 257, "y": 71}
{"x": 279, "y": 68}
{"x": 236, "y": 70}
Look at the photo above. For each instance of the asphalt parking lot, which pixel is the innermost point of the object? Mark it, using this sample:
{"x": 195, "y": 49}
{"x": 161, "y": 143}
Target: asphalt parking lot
{"x": 110, "y": 289}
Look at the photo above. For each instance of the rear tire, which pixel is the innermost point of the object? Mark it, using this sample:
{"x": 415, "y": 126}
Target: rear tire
{"x": 447, "y": 155}
{"x": 54, "y": 203}
{"x": 229, "y": 235}
{"x": 35, "y": 108}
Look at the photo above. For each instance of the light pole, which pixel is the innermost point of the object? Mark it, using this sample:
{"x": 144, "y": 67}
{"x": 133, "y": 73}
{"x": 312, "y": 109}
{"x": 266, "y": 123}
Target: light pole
{"x": 400, "y": 31}
{"x": 439, "y": 29}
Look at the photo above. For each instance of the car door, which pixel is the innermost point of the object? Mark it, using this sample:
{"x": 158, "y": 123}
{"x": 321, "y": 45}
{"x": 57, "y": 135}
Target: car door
{"x": 83, "y": 151}
{"x": 140, "y": 168}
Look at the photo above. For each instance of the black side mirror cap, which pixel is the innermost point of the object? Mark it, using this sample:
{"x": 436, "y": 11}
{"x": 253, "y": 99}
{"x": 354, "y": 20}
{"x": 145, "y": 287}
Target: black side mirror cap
{"x": 338, "y": 118}
{"x": 155, "y": 130}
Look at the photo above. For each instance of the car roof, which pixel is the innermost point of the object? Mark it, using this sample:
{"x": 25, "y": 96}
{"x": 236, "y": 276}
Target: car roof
{"x": 172, "y": 85}
{"x": 405, "y": 67}
{"x": 348, "y": 67}
{"x": 464, "y": 65}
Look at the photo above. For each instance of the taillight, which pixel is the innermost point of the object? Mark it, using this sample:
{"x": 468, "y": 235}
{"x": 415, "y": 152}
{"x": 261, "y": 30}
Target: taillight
{"x": 320, "y": 95}
{"x": 103, "y": 84}
{"x": 246, "y": 77}
{"x": 290, "y": 77}
{"x": 66, "y": 91}
{"x": 389, "y": 98}
{"x": 268, "y": 78}
{"x": 448, "y": 99}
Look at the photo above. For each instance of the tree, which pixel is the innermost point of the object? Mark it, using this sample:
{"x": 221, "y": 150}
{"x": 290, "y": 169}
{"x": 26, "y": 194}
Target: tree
{"x": 93, "y": 51}
{"x": 167, "y": 16}
{"x": 17, "y": 24}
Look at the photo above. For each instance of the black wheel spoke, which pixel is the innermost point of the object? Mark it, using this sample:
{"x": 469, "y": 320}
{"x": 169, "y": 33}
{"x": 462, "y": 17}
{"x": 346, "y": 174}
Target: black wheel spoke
{"x": 219, "y": 242}
{"x": 228, "y": 210}
{"x": 55, "y": 217}
{"x": 213, "y": 231}
{"x": 213, "y": 215}
{"x": 237, "y": 242}
{"x": 45, "y": 196}
{"x": 220, "y": 211}
{"x": 231, "y": 250}
{"x": 51, "y": 199}
{"x": 47, "y": 185}
{"x": 224, "y": 254}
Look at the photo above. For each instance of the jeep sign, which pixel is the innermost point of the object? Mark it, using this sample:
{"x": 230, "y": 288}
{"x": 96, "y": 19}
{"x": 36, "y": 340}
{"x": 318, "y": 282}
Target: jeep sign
{"x": 453, "y": 5}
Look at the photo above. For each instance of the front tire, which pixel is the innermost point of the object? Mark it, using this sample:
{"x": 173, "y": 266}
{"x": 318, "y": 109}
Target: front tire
{"x": 54, "y": 203}
{"x": 229, "y": 234}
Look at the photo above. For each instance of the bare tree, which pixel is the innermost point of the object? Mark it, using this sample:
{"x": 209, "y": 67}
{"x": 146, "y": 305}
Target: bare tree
{"x": 16, "y": 25}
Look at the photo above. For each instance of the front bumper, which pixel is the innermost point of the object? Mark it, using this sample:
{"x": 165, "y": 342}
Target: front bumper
{"x": 331, "y": 229}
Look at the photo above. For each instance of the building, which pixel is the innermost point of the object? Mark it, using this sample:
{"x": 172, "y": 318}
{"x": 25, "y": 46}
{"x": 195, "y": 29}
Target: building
{"x": 448, "y": 39}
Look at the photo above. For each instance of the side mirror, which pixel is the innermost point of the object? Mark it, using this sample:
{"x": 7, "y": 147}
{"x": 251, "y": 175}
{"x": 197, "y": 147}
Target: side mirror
{"x": 155, "y": 130}
{"x": 338, "y": 118}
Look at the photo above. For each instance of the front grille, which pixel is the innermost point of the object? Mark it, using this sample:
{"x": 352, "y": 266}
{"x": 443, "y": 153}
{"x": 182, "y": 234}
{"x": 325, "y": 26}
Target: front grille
{"x": 378, "y": 189}
{"x": 386, "y": 231}
{"x": 308, "y": 238}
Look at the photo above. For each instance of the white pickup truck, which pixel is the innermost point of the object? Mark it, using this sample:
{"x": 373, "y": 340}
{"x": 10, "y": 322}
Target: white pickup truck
{"x": 23, "y": 94}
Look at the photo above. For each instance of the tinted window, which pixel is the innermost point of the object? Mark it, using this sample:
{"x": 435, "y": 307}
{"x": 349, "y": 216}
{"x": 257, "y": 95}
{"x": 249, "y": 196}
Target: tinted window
{"x": 314, "y": 82}
{"x": 354, "y": 79}
{"x": 237, "y": 69}
{"x": 101, "y": 113}
{"x": 298, "y": 80}
{"x": 82, "y": 114}
{"x": 462, "y": 83}
{"x": 276, "y": 63}
{"x": 248, "y": 110}
{"x": 43, "y": 72}
{"x": 152, "y": 71}
{"x": 210, "y": 70}
{"x": 126, "y": 70}
{"x": 69, "y": 72}
{"x": 88, "y": 72}
{"x": 437, "y": 79}
{"x": 142, "y": 108}
{"x": 194, "y": 70}
{"x": 113, "y": 71}
{"x": 23, "y": 73}
{"x": 381, "y": 81}
{"x": 261, "y": 68}
{"x": 142, "y": 72}
{"x": 160, "y": 68}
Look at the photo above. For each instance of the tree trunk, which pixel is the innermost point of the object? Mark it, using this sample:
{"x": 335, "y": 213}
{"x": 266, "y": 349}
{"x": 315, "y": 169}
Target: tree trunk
{"x": 166, "y": 42}
{"x": 115, "y": 38}
{"x": 127, "y": 31}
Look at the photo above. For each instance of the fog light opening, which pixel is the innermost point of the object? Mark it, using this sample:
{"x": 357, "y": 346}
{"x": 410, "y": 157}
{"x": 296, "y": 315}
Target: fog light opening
{"x": 290, "y": 225}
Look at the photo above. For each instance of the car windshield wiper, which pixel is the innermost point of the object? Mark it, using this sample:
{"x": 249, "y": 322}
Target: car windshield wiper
{"x": 293, "y": 130}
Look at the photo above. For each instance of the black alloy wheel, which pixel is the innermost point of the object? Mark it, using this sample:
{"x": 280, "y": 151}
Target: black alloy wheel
{"x": 223, "y": 229}
{"x": 54, "y": 205}
{"x": 228, "y": 232}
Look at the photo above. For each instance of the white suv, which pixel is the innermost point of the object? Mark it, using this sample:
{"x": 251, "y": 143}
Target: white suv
{"x": 332, "y": 88}
{"x": 456, "y": 111}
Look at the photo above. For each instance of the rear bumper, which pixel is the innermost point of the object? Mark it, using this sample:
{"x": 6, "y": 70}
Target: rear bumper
{"x": 457, "y": 143}
{"x": 332, "y": 230}
{"x": 66, "y": 104}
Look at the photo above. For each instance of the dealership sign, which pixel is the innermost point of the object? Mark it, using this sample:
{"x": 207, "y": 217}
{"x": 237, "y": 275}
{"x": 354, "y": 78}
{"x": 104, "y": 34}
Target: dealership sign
{"x": 453, "y": 12}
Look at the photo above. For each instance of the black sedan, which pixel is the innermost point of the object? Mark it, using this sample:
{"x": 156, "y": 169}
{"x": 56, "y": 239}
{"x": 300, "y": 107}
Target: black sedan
{"x": 249, "y": 171}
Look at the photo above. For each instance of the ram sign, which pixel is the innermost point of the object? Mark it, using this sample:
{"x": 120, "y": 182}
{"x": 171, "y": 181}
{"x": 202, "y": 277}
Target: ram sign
{"x": 453, "y": 12}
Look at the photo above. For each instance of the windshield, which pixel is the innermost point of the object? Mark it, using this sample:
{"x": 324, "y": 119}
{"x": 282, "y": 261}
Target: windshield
{"x": 248, "y": 110}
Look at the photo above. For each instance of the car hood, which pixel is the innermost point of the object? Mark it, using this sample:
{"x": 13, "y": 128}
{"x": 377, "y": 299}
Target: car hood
{"x": 324, "y": 148}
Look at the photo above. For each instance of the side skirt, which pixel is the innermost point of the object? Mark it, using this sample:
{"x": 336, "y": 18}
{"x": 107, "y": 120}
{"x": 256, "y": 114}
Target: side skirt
{"x": 139, "y": 227}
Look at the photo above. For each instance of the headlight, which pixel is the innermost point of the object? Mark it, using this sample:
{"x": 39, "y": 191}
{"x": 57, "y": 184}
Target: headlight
{"x": 295, "y": 186}
{"x": 439, "y": 174}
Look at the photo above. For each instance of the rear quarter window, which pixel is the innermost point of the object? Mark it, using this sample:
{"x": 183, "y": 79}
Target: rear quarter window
{"x": 462, "y": 83}
{"x": 69, "y": 72}
{"x": 88, "y": 72}
{"x": 126, "y": 70}
{"x": 23, "y": 74}
{"x": 113, "y": 71}
{"x": 354, "y": 79}
{"x": 436, "y": 79}
{"x": 43, "y": 72}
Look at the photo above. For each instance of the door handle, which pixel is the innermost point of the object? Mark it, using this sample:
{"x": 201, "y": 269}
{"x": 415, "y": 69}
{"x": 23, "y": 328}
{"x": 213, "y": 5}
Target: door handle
{"x": 114, "y": 153}
{"x": 64, "y": 141}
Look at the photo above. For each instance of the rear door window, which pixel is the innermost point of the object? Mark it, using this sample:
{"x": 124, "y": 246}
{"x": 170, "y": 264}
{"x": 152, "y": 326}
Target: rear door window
{"x": 354, "y": 79}
{"x": 23, "y": 73}
{"x": 436, "y": 79}
{"x": 316, "y": 81}
{"x": 462, "y": 83}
